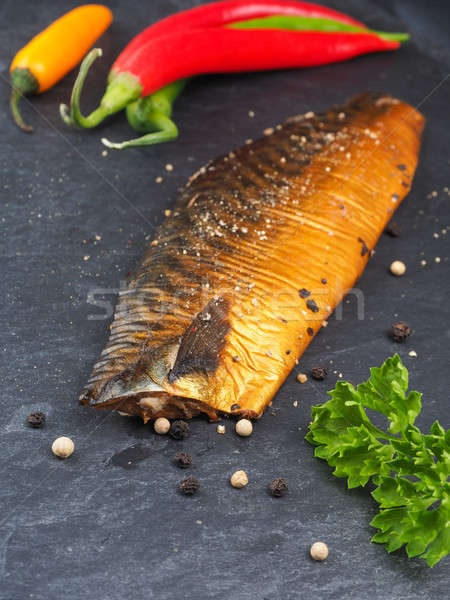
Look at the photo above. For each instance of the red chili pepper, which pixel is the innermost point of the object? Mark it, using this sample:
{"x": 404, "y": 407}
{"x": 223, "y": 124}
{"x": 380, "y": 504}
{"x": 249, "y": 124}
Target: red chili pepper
{"x": 216, "y": 50}
{"x": 220, "y": 50}
{"x": 205, "y": 16}
{"x": 151, "y": 114}
{"x": 178, "y": 47}
{"x": 216, "y": 14}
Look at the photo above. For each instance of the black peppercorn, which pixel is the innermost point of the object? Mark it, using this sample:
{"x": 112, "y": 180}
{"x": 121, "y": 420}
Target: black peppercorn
{"x": 189, "y": 486}
{"x": 394, "y": 229}
{"x": 278, "y": 487}
{"x": 319, "y": 373}
{"x": 36, "y": 419}
{"x": 304, "y": 293}
{"x": 400, "y": 331}
{"x": 179, "y": 430}
{"x": 183, "y": 460}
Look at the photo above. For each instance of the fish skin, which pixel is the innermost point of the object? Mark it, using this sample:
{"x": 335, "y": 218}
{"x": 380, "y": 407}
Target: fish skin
{"x": 212, "y": 319}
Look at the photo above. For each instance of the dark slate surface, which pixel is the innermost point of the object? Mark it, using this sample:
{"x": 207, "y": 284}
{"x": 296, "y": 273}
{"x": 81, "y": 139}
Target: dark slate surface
{"x": 97, "y": 527}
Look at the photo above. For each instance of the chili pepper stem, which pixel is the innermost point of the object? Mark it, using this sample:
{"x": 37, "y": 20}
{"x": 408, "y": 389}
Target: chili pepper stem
{"x": 168, "y": 131}
{"x": 23, "y": 82}
{"x": 14, "y": 106}
{"x": 151, "y": 115}
{"x": 122, "y": 89}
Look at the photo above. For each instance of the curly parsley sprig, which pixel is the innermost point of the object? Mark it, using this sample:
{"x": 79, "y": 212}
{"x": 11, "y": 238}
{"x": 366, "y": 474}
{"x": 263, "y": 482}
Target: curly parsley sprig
{"x": 411, "y": 470}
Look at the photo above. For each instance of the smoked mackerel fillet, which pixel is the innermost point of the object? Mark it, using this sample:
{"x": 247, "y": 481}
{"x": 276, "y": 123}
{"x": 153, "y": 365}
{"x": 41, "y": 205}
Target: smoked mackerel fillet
{"x": 259, "y": 249}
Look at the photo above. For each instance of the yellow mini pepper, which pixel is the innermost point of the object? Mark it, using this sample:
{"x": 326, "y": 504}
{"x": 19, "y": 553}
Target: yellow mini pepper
{"x": 54, "y": 52}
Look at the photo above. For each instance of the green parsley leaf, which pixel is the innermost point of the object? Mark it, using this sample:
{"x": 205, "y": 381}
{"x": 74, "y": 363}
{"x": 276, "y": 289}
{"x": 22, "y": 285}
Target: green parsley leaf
{"x": 411, "y": 470}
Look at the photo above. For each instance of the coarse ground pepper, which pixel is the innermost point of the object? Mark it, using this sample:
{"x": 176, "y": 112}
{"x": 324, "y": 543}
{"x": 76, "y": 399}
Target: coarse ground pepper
{"x": 311, "y": 304}
{"x": 364, "y": 249}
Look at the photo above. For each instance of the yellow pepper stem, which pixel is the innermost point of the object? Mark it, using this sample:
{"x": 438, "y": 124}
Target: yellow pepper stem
{"x": 22, "y": 82}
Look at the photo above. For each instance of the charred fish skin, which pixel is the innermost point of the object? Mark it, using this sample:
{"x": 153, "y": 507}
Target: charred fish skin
{"x": 261, "y": 246}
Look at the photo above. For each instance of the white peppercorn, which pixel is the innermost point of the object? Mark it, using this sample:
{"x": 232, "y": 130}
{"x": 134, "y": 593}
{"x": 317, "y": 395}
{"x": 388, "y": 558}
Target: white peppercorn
{"x": 63, "y": 447}
{"x": 239, "y": 479}
{"x": 398, "y": 268}
{"x": 161, "y": 425}
{"x": 319, "y": 551}
{"x": 244, "y": 427}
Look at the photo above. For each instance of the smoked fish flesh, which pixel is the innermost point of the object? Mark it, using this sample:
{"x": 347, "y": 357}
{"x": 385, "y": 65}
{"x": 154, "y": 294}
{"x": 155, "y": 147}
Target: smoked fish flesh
{"x": 261, "y": 246}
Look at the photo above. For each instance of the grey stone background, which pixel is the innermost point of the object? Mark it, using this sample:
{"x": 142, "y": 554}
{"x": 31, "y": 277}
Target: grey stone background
{"x": 108, "y": 524}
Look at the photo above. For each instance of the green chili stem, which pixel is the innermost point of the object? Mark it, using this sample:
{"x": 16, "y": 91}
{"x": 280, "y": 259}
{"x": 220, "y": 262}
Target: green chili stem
{"x": 167, "y": 131}
{"x": 140, "y": 113}
{"x": 152, "y": 116}
{"x": 125, "y": 90}
{"x": 295, "y": 23}
{"x": 75, "y": 118}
